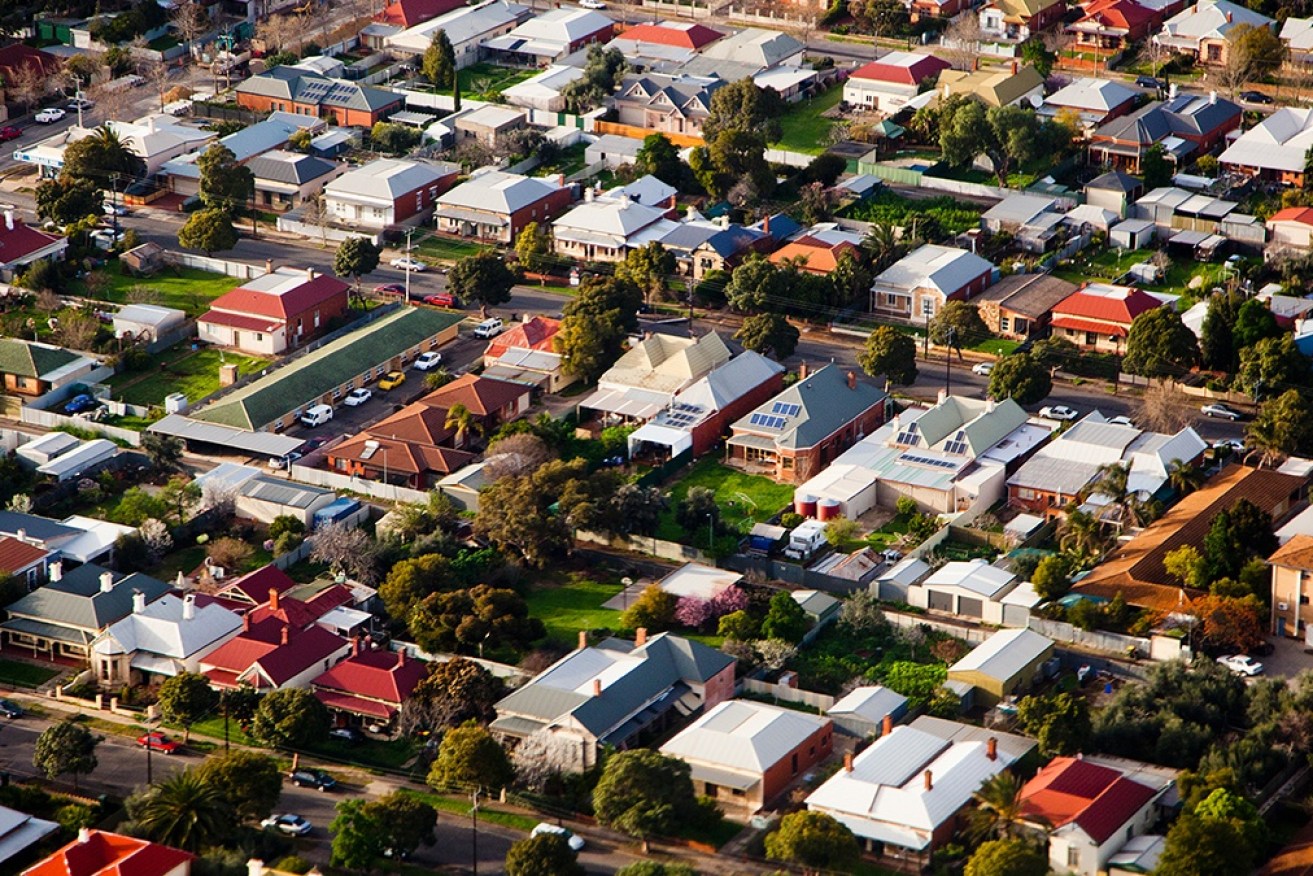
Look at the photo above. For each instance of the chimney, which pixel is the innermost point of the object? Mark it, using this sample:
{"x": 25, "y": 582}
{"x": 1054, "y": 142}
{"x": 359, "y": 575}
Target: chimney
{"x": 1014, "y": 67}
{"x": 355, "y": 647}
{"x": 150, "y": 124}
{"x": 852, "y": 379}
{"x": 55, "y": 570}
{"x": 583, "y": 639}
{"x": 21, "y": 535}
{"x": 284, "y": 637}
{"x": 9, "y": 219}
{"x": 560, "y": 180}
{"x": 929, "y": 780}
{"x": 1229, "y": 17}
{"x": 246, "y": 622}
{"x": 640, "y": 637}
{"x": 597, "y": 687}
{"x": 309, "y": 273}
{"x": 268, "y": 269}
{"x": 255, "y": 867}
{"x": 802, "y": 370}
{"x": 1212, "y": 97}
{"x": 765, "y": 224}
{"x": 106, "y": 582}
{"x": 588, "y": 194}
{"x": 189, "y": 607}
{"x": 975, "y": 64}
{"x": 847, "y": 761}
{"x": 943, "y": 396}
{"x": 401, "y": 657}
{"x": 887, "y": 725}
{"x": 138, "y": 602}
{"x": 273, "y": 599}
{"x": 84, "y": 834}
{"x": 625, "y": 201}
{"x": 991, "y": 748}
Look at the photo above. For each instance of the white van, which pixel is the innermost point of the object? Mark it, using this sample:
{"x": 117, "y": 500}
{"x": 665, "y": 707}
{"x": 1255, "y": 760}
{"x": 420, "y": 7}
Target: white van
{"x": 317, "y": 415}
{"x": 489, "y": 328}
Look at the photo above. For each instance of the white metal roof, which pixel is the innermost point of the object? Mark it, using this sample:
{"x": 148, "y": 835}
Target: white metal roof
{"x": 161, "y": 628}
{"x": 1003, "y": 654}
{"x": 1279, "y": 142}
{"x": 944, "y": 268}
{"x": 498, "y": 192}
{"x": 1091, "y": 94}
{"x": 697, "y": 580}
{"x": 977, "y": 576}
{"x": 871, "y": 702}
{"x": 744, "y": 736}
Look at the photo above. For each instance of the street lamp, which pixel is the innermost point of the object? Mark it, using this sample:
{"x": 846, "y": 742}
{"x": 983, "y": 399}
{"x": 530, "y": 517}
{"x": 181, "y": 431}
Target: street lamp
{"x": 711, "y": 531}
{"x": 409, "y": 232}
{"x": 627, "y": 582}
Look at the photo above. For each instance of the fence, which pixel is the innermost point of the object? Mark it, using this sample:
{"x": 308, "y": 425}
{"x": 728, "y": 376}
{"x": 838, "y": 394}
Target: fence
{"x": 791, "y": 159}
{"x": 184, "y": 332}
{"x": 771, "y": 18}
{"x": 224, "y": 113}
{"x": 294, "y": 556}
{"x": 1095, "y": 640}
{"x": 501, "y": 670}
{"x": 686, "y": 9}
{"x": 636, "y": 133}
{"x": 962, "y": 187}
{"x": 664, "y": 470}
{"x": 666, "y": 550}
{"x": 791, "y": 573}
{"x": 971, "y": 634}
{"x": 293, "y": 223}
{"x": 588, "y": 172}
{"x": 818, "y": 701}
{"x": 903, "y": 176}
{"x": 374, "y": 489}
{"x": 50, "y": 420}
{"x": 240, "y": 270}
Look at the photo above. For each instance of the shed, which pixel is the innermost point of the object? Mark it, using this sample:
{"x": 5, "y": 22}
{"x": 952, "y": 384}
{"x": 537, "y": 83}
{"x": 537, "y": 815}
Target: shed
{"x": 820, "y": 608}
{"x": 765, "y": 537}
{"x": 1132, "y": 234}
{"x": 339, "y": 509}
{"x": 863, "y": 711}
{"x": 147, "y": 322}
{"x": 46, "y": 448}
{"x": 145, "y": 259}
{"x": 699, "y": 581}
{"x": 85, "y": 458}
{"x": 1005, "y": 664}
{"x": 892, "y": 584}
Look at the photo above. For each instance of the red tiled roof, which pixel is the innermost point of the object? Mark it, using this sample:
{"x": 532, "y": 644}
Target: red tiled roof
{"x": 287, "y": 612}
{"x": 417, "y": 422}
{"x": 298, "y": 299}
{"x": 402, "y": 456}
{"x": 1100, "y": 800}
{"x": 251, "y": 657}
{"x": 385, "y": 676}
{"x": 536, "y": 334}
{"x": 1302, "y": 215}
{"x": 481, "y": 395}
{"x": 101, "y": 853}
{"x": 15, "y": 555}
{"x": 1295, "y": 554}
{"x": 1122, "y": 309}
{"x": 924, "y": 67}
{"x": 1123, "y": 14}
{"x": 256, "y": 585}
{"x": 408, "y": 13}
{"x": 240, "y": 321}
{"x": 22, "y": 240}
{"x": 1089, "y": 325}
{"x": 694, "y": 37}
{"x": 355, "y": 705}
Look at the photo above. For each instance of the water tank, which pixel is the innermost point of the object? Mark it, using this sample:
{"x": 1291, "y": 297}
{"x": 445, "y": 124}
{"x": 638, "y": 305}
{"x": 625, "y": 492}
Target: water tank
{"x": 804, "y": 504}
{"x": 828, "y": 509}
{"x": 175, "y": 402}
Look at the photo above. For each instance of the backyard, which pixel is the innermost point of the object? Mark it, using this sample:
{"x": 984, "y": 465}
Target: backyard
{"x": 573, "y": 605}
{"x": 181, "y": 369}
{"x": 184, "y": 288}
{"x": 743, "y": 499}
{"x": 487, "y": 81}
{"x": 1112, "y": 263}
{"x": 804, "y": 128}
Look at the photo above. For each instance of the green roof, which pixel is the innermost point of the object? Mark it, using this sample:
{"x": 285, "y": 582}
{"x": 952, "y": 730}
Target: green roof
{"x": 26, "y": 359}
{"x": 260, "y": 403}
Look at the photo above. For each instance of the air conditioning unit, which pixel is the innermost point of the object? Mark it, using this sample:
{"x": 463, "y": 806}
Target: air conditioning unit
{"x": 1283, "y": 606}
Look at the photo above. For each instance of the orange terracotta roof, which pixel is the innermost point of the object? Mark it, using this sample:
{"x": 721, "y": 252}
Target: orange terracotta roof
{"x": 693, "y": 36}
{"x": 1302, "y": 215}
{"x": 817, "y": 257}
{"x": 100, "y": 853}
{"x": 1295, "y": 857}
{"x": 481, "y": 395}
{"x": 536, "y": 334}
{"x": 1295, "y": 554}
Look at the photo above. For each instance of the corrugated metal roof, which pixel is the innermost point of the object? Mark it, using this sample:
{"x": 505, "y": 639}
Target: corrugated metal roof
{"x": 257, "y": 443}
{"x": 744, "y": 736}
{"x": 1004, "y": 654}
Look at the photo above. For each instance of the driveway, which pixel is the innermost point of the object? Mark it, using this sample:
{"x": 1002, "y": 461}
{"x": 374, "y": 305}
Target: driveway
{"x": 1289, "y": 659}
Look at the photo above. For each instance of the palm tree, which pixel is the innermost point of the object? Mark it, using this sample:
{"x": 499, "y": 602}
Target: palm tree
{"x": 1113, "y": 481}
{"x": 464, "y": 421}
{"x": 999, "y": 807}
{"x": 882, "y": 245}
{"x": 1183, "y": 477}
{"x": 183, "y": 811}
{"x": 1264, "y": 438}
{"x": 1081, "y": 534}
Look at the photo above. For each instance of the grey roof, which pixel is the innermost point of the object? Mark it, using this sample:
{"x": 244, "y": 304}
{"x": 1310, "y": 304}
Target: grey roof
{"x": 498, "y": 192}
{"x": 280, "y": 492}
{"x": 39, "y": 528}
{"x": 733, "y": 240}
{"x": 1032, "y": 295}
{"x": 825, "y": 404}
{"x": 1156, "y": 121}
{"x": 258, "y": 443}
{"x": 1115, "y": 181}
{"x": 871, "y": 702}
{"x": 76, "y": 600}
{"x": 289, "y": 167}
{"x": 1011, "y": 745}
{"x": 688, "y": 236}
{"x": 1004, "y": 654}
{"x": 305, "y": 86}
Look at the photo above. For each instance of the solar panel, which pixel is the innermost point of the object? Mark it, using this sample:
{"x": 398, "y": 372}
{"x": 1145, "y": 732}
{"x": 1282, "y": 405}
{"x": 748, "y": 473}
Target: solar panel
{"x": 788, "y": 410}
{"x": 910, "y": 435}
{"x": 930, "y": 461}
{"x": 767, "y": 420}
{"x": 958, "y": 445}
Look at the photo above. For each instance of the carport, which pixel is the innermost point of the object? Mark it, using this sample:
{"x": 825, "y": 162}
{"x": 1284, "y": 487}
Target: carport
{"x": 251, "y": 443}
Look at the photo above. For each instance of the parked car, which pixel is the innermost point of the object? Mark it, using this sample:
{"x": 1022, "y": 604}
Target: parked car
{"x": 1241, "y": 664}
{"x": 358, "y": 397}
{"x": 316, "y": 415}
{"x": 1226, "y": 412}
{"x": 50, "y": 116}
{"x": 1255, "y": 97}
{"x": 111, "y": 209}
{"x": 9, "y": 132}
{"x": 313, "y": 444}
{"x": 10, "y": 709}
{"x": 392, "y": 380}
{"x": 157, "y": 741}
{"x": 1061, "y": 413}
{"x": 81, "y": 403}
{"x": 1149, "y": 82}
{"x": 592, "y": 4}
{"x": 1230, "y": 445}
{"x": 317, "y": 779}
{"x": 442, "y": 299}
{"x": 389, "y": 289}
{"x": 489, "y": 328}
{"x": 289, "y": 824}
{"x": 347, "y": 734}
{"x": 106, "y": 238}
{"x": 406, "y": 263}
{"x": 278, "y": 463}
{"x": 428, "y": 361}
{"x": 80, "y": 103}
{"x": 984, "y": 369}
{"x": 572, "y": 839}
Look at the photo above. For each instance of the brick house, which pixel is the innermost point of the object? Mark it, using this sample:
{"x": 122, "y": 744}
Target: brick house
{"x": 1098, "y": 316}
{"x": 1292, "y": 587}
{"x": 1019, "y": 19}
{"x": 495, "y": 205}
{"x": 1021, "y": 305}
{"x": 291, "y": 89}
{"x": 668, "y": 104}
{"x": 1275, "y": 149}
{"x": 31, "y": 369}
{"x": 1112, "y": 25}
{"x": 1187, "y": 126}
{"x": 1205, "y": 29}
{"x": 918, "y": 285}
{"x": 274, "y": 313}
{"x": 888, "y": 84}
{"x": 369, "y": 686}
{"x": 388, "y": 191}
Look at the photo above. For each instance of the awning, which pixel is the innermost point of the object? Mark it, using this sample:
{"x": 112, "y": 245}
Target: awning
{"x": 521, "y": 728}
{"x": 409, "y": 117}
{"x": 156, "y": 665}
{"x": 463, "y": 214}
{"x": 724, "y": 778}
{"x": 517, "y": 375}
{"x": 1075, "y": 323}
{"x": 638, "y": 403}
{"x": 761, "y": 442}
{"x": 43, "y": 630}
{"x": 677, "y": 440}
{"x": 355, "y": 705}
{"x": 254, "y": 443}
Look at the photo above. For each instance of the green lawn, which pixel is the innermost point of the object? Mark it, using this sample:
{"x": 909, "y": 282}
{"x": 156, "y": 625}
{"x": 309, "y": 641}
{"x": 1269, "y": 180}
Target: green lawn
{"x": 803, "y": 129}
{"x": 575, "y": 605}
{"x": 194, "y": 373}
{"x": 461, "y": 806}
{"x": 997, "y": 346}
{"x": 744, "y": 499}
{"x": 486, "y": 81}
{"x": 184, "y": 288}
{"x": 24, "y": 674}
{"x": 448, "y": 250}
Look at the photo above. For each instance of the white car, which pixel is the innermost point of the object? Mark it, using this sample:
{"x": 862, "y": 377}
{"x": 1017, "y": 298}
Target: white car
{"x": 1235, "y": 445}
{"x": 278, "y": 463}
{"x": 1120, "y": 421}
{"x": 291, "y": 825}
{"x": 50, "y": 116}
{"x": 358, "y": 397}
{"x": 1226, "y": 412}
{"x": 1241, "y": 664}
{"x": 1061, "y": 413}
{"x": 427, "y": 361}
{"x": 406, "y": 263}
{"x": 575, "y": 841}
{"x": 106, "y": 238}
{"x": 111, "y": 209}
{"x": 592, "y": 4}
{"x": 984, "y": 369}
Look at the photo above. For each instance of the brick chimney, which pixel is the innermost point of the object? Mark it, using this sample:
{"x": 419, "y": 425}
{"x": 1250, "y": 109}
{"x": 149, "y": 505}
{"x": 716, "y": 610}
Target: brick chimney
{"x": 138, "y": 602}
{"x": 887, "y": 725}
{"x": 847, "y": 761}
{"x": 852, "y": 379}
{"x": 268, "y": 266}
{"x": 401, "y": 657}
{"x": 283, "y": 638}
{"x": 929, "y": 780}
{"x": 765, "y": 224}
{"x": 597, "y": 687}
{"x": 355, "y": 647}
{"x": 802, "y": 370}
{"x": 640, "y": 637}
{"x": 991, "y": 748}
{"x": 583, "y": 639}
{"x": 273, "y": 599}
{"x": 246, "y": 622}
{"x": 1014, "y": 67}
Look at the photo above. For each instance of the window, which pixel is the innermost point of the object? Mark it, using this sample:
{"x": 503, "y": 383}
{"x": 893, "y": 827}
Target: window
{"x": 712, "y": 790}
{"x": 1073, "y": 856}
{"x": 104, "y": 670}
{"x": 316, "y": 319}
{"x": 1091, "y": 338}
{"x": 927, "y": 307}
{"x": 1025, "y": 493}
{"x": 793, "y": 763}
{"x": 259, "y": 336}
{"x": 1003, "y": 323}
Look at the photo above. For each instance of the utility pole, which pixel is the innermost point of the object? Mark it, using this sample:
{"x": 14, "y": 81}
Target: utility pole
{"x": 474, "y": 836}
{"x": 948, "y": 362}
{"x": 409, "y": 232}
{"x": 114, "y": 202}
{"x": 150, "y": 744}
{"x": 690, "y": 302}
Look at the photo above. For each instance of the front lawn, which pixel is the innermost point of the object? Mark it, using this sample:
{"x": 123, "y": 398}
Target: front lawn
{"x": 17, "y": 674}
{"x": 575, "y": 605}
{"x": 744, "y": 499}
{"x": 448, "y": 250}
{"x": 184, "y": 288}
{"x": 181, "y": 370}
{"x": 803, "y": 128}
{"x": 997, "y": 346}
{"x": 461, "y": 806}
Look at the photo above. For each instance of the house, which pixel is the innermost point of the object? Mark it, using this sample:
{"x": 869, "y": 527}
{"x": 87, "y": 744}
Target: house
{"x": 495, "y": 205}
{"x": 993, "y": 87}
{"x": 58, "y": 621}
{"x": 700, "y": 413}
{"x": 868, "y": 711}
{"x": 183, "y": 175}
{"x": 1115, "y": 191}
{"x": 20, "y": 561}
{"x": 284, "y": 179}
{"x": 1204, "y": 30}
{"x": 744, "y": 754}
{"x": 616, "y": 694}
{"x": 1004, "y": 666}
{"x": 667, "y": 104}
{"x": 663, "y": 45}
{"x": 408, "y": 13}
{"x": 951, "y": 458}
{"x": 1297, "y": 34}
{"x": 147, "y": 322}
{"x": 280, "y": 645}
{"x": 1091, "y": 101}
{"x": 818, "y": 251}
{"x": 31, "y": 369}
{"x": 544, "y": 91}
{"x": 76, "y": 538}
{"x": 490, "y": 125}
{"x": 298, "y": 90}
{"x": 1016, "y": 212}
{"x": 549, "y": 37}
{"x": 492, "y": 402}
{"x": 101, "y": 853}
{"x": 39, "y": 451}
{"x": 1186, "y": 127}
{"x": 1087, "y": 811}
{"x": 604, "y": 229}
{"x": 19, "y": 832}
{"x": 1274, "y": 150}
{"x": 1136, "y": 569}
{"x": 276, "y": 312}
{"x": 649, "y": 375}
{"x": 1292, "y": 568}
{"x": 370, "y": 686}
{"x": 887, "y": 84}
{"x": 1020, "y": 306}
{"x": 613, "y": 150}
{"x": 21, "y": 244}
{"x": 918, "y": 285}
{"x": 262, "y": 497}
{"x": 1098, "y": 316}
{"x": 81, "y": 461}
{"x": 757, "y": 47}
{"x": 1113, "y": 25}
{"x": 978, "y": 590}
{"x": 466, "y": 27}
{"x": 1292, "y": 228}
{"x": 526, "y": 354}
{"x": 531, "y": 333}
{"x": 324, "y": 375}
{"x": 701, "y": 246}
{"x": 155, "y": 139}
{"x": 923, "y": 9}
{"x": 903, "y": 796}
{"x": 795, "y": 435}
{"x": 1019, "y": 20}
{"x": 1061, "y": 472}
{"x": 388, "y": 191}
{"x": 160, "y": 640}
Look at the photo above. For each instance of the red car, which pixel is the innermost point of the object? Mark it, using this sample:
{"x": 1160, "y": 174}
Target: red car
{"x": 390, "y": 289}
{"x": 442, "y": 299}
{"x": 157, "y": 741}
{"x": 9, "y": 133}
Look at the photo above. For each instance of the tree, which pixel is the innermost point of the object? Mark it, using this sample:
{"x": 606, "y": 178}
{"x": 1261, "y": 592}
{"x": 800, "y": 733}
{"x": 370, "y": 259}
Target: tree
{"x": 289, "y": 718}
{"x": 1254, "y": 322}
{"x": 251, "y": 783}
{"x": 1052, "y": 577}
{"x": 733, "y": 165}
{"x": 185, "y": 699}
{"x": 814, "y": 840}
{"x": 647, "y": 268}
{"x": 180, "y": 495}
{"x": 1187, "y": 566}
{"x": 1230, "y": 624}
{"x": 190, "y": 19}
{"x": 768, "y": 334}
{"x": 1272, "y": 366}
{"x": 653, "y": 610}
{"x": 394, "y": 138}
{"x": 548, "y": 854}
{"x": 483, "y": 278}
{"x": 533, "y": 247}
{"x": 1080, "y": 534}
{"x": 697, "y": 509}
{"x": 439, "y": 62}
{"x": 876, "y": 17}
{"x": 103, "y": 158}
{"x": 355, "y": 257}
{"x": 225, "y": 184}
{"x": 470, "y": 619}
{"x": 1006, "y": 135}
{"x": 163, "y": 451}
{"x": 655, "y": 868}
{"x": 891, "y": 353}
{"x": 1234, "y": 535}
{"x": 1198, "y": 846}
{"x": 961, "y": 40}
{"x": 1035, "y": 54}
{"x": 210, "y": 231}
{"x": 603, "y": 70}
{"x": 66, "y": 747}
{"x": 659, "y": 158}
{"x": 183, "y": 811}
{"x": 357, "y": 836}
{"x": 515, "y": 455}
{"x": 464, "y": 422}
{"x": 958, "y": 325}
{"x": 1283, "y": 427}
{"x": 516, "y": 513}
{"x": 410, "y": 581}
{"x": 396, "y": 825}
{"x": 644, "y": 793}
{"x": 1060, "y": 722}
{"x": 469, "y": 756}
{"x": 1155, "y": 167}
{"x": 998, "y": 807}
{"x": 454, "y": 691}
{"x": 1163, "y": 409}
{"x": 1008, "y": 857}
{"x": 27, "y": 83}
{"x": 1159, "y": 345}
{"x": 590, "y": 340}
{"x": 1020, "y": 377}
{"x": 1217, "y": 347}
{"x": 1252, "y": 53}
{"x": 785, "y": 619}
{"x": 743, "y": 107}
{"x": 66, "y": 200}
{"x": 1112, "y": 481}
{"x": 344, "y": 549}
{"x": 757, "y": 284}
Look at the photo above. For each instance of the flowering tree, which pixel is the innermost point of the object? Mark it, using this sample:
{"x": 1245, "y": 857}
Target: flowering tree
{"x": 693, "y": 611}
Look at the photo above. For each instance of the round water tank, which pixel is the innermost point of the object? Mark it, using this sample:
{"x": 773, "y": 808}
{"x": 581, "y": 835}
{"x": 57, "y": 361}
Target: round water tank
{"x": 828, "y": 509}
{"x": 804, "y": 504}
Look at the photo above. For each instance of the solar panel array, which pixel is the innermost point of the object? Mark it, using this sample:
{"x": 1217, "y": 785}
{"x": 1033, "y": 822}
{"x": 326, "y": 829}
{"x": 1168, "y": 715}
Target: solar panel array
{"x": 958, "y": 445}
{"x": 908, "y": 436}
{"x": 788, "y": 410}
{"x": 767, "y": 420}
{"x": 929, "y": 460}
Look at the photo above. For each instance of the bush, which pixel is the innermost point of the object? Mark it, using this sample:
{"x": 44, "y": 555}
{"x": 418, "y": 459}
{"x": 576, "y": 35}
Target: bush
{"x": 293, "y": 864}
